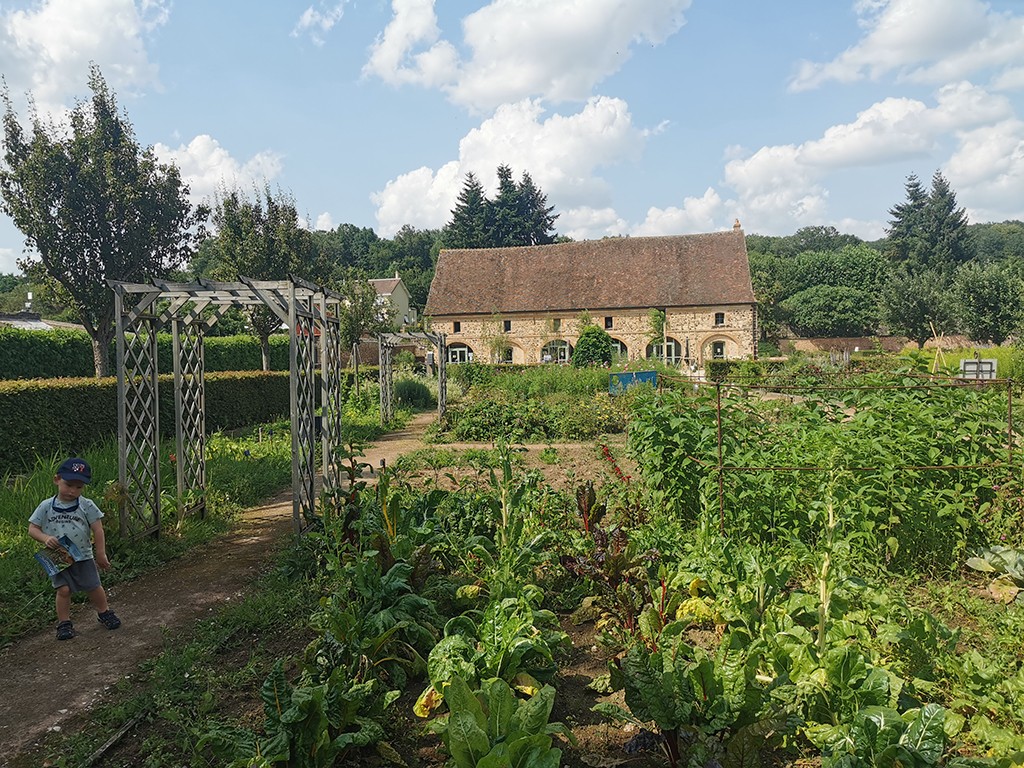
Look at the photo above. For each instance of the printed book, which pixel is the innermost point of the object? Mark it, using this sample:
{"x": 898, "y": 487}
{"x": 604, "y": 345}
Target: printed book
{"x": 56, "y": 560}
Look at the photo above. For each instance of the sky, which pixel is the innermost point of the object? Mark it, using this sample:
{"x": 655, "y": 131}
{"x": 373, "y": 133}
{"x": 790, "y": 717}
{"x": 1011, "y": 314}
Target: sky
{"x": 634, "y": 117}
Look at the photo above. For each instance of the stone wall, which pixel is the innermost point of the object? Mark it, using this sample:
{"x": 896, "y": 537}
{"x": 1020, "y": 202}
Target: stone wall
{"x": 529, "y": 334}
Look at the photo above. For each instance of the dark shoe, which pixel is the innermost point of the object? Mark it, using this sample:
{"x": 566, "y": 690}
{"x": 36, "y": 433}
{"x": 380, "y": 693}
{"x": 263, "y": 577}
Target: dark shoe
{"x": 109, "y": 619}
{"x": 65, "y": 630}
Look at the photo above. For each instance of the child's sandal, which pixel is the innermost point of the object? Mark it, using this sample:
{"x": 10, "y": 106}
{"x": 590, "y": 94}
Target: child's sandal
{"x": 108, "y": 619}
{"x": 65, "y": 630}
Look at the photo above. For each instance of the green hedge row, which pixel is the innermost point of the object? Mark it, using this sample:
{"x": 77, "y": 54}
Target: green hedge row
{"x": 68, "y": 353}
{"x": 66, "y": 416}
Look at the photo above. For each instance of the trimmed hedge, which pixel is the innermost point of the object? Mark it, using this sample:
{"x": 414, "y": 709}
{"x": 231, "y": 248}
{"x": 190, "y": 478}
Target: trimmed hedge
{"x": 62, "y": 353}
{"x": 45, "y": 417}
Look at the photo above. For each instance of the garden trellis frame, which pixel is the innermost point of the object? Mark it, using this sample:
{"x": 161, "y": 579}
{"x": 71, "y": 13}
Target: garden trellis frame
{"x": 311, "y": 314}
{"x": 386, "y": 343}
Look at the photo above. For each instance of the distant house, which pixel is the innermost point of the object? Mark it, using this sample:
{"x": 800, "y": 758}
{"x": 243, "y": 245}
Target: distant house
{"x": 523, "y": 304}
{"x": 393, "y": 294}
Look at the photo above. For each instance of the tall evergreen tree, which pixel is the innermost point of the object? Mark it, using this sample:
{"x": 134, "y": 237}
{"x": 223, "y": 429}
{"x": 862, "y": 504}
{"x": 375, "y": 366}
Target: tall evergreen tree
{"x": 907, "y": 224}
{"x": 518, "y": 215}
{"x": 928, "y": 231}
{"x": 536, "y": 214}
{"x": 947, "y": 227}
{"x": 468, "y": 227}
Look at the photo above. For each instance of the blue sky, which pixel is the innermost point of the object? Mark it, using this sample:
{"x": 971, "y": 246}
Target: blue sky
{"x": 636, "y": 117}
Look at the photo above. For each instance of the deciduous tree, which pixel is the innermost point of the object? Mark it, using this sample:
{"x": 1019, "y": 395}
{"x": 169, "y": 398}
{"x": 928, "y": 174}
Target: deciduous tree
{"x": 95, "y": 206}
{"x": 917, "y": 306}
{"x": 988, "y": 302}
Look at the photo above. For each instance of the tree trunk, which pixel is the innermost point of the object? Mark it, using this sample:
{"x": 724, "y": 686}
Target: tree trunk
{"x": 265, "y": 351}
{"x": 355, "y": 364}
{"x": 101, "y": 353}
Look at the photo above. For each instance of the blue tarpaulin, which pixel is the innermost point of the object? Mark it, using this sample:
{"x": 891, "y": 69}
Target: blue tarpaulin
{"x": 620, "y": 382}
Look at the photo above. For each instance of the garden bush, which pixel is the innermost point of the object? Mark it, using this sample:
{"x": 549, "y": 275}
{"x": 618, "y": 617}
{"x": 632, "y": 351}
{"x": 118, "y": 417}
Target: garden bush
{"x": 413, "y": 393}
{"x": 39, "y": 422}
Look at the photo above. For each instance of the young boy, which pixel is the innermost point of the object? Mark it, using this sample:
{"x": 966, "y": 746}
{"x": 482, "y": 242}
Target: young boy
{"x": 71, "y": 514}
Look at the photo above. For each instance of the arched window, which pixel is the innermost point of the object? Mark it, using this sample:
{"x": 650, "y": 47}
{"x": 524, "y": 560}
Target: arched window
{"x": 619, "y": 350}
{"x": 718, "y": 350}
{"x": 459, "y": 353}
{"x": 557, "y": 351}
{"x": 670, "y": 352}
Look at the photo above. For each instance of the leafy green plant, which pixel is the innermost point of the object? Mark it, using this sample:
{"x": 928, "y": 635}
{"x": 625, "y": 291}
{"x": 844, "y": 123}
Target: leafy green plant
{"x": 305, "y": 725}
{"x": 511, "y": 639}
{"x": 705, "y": 706}
{"x": 494, "y": 729}
{"x": 1008, "y": 586}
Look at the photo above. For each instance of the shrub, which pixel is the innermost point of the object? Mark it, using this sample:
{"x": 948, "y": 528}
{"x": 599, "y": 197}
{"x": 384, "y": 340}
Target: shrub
{"x": 37, "y": 423}
{"x": 593, "y": 348}
{"x": 413, "y": 393}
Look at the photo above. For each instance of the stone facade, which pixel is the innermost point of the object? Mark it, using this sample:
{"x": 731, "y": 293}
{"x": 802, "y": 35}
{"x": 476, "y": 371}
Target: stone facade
{"x": 534, "y": 337}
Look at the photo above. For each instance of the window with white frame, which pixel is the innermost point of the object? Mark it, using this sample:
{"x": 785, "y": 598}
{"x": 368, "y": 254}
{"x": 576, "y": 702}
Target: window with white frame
{"x": 459, "y": 353}
{"x": 669, "y": 351}
{"x": 557, "y": 351}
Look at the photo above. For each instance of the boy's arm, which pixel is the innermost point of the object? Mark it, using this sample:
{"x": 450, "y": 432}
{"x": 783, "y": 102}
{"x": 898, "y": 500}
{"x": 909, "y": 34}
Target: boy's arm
{"x": 99, "y": 544}
{"x": 46, "y": 540}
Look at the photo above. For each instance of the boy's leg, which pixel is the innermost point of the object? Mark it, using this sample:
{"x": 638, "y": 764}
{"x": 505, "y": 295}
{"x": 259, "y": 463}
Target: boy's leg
{"x": 63, "y": 603}
{"x": 98, "y": 598}
{"x": 106, "y": 617}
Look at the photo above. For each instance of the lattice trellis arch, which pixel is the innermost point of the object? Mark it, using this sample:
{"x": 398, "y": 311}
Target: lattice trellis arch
{"x": 386, "y": 343}
{"x": 310, "y": 312}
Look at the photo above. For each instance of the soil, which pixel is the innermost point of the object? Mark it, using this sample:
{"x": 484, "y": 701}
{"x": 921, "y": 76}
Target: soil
{"x": 66, "y": 679}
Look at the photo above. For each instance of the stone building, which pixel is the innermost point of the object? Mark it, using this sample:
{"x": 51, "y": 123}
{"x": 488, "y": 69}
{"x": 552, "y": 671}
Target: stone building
{"x": 527, "y": 304}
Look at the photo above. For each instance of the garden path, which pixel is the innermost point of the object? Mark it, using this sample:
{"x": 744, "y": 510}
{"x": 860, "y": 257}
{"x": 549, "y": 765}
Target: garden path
{"x": 48, "y": 684}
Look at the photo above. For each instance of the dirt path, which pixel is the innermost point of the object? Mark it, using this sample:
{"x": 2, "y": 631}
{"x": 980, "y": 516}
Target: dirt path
{"x": 46, "y": 682}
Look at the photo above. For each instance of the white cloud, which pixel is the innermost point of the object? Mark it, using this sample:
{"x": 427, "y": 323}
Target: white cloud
{"x": 930, "y": 41}
{"x": 208, "y": 168}
{"x": 586, "y": 223}
{"x": 318, "y": 22}
{"x": 324, "y": 222}
{"x": 561, "y": 152}
{"x": 987, "y": 171}
{"x": 697, "y": 214}
{"x": 391, "y": 58}
{"x": 784, "y": 185}
{"x": 48, "y": 48}
{"x": 554, "y": 49}
{"x": 9, "y": 261}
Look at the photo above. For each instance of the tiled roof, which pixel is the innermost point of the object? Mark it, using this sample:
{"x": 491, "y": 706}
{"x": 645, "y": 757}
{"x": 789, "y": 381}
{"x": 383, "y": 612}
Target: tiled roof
{"x": 616, "y": 273}
{"x": 385, "y": 286}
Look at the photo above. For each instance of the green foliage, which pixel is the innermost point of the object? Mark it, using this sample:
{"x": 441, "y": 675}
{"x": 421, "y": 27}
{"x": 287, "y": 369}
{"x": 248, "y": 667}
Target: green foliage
{"x": 917, "y": 306}
{"x": 927, "y": 231}
{"x": 518, "y": 215}
{"x": 827, "y": 311}
{"x": 62, "y": 353}
{"x": 494, "y": 729}
{"x": 593, "y": 348}
{"x": 988, "y": 302}
{"x": 413, "y": 393}
{"x": 95, "y": 206}
{"x": 38, "y": 410}
{"x": 907, "y": 517}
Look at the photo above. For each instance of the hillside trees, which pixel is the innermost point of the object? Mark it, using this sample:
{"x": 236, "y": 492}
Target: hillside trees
{"x": 518, "y": 215}
{"x": 95, "y": 206}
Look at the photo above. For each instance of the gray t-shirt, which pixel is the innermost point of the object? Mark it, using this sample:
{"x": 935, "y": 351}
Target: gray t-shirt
{"x": 73, "y": 520}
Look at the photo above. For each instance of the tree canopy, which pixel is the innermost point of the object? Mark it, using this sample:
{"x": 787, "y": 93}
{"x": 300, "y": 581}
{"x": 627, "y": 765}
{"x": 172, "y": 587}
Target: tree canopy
{"x": 928, "y": 230}
{"x": 95, "y": 206}
{"x": 518, "y": 215}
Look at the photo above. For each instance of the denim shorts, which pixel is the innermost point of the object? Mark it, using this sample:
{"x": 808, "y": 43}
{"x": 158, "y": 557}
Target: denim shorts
{"x": 80, "y": 577}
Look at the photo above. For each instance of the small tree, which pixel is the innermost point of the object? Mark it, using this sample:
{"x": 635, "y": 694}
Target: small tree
{"x": 988, "y": 302}
{"x": 95, "y": 206}
{"x": 917, "y": 306}
{"x": 362, "y": 314}
{"x": 594, "y": 347}
{"x": 829, "y": 311}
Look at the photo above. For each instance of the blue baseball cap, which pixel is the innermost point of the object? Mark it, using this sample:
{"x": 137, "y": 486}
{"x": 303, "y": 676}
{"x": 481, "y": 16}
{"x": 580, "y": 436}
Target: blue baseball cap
{"x": 75, "y": 469}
